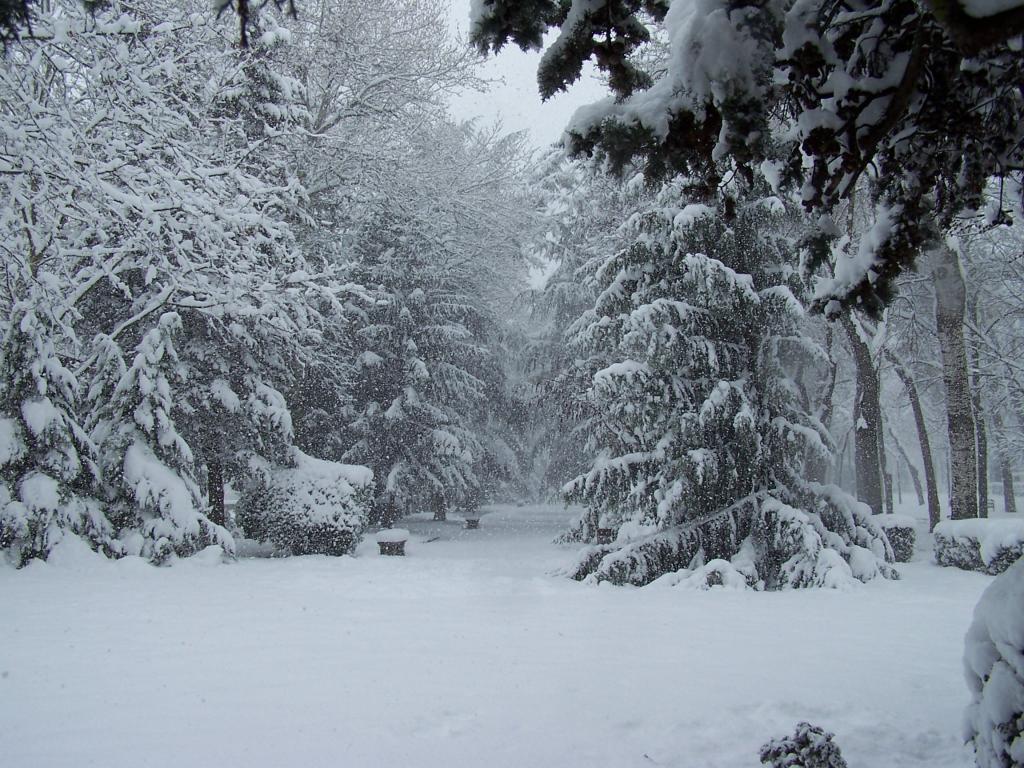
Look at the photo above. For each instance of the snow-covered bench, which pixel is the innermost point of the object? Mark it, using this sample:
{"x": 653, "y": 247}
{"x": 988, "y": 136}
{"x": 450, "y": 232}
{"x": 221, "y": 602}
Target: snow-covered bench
{"x": 979, "y": 544}
{"x": 392, "y": 541}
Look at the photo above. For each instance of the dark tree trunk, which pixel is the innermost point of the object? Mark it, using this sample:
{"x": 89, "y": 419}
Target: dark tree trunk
{"x": 439, "y": 506}
{"x": 931, "y": 484}
{"x": 215, "y": 490}
{"x": 980, "y": 433}
{"x": 1009, "y": 500}
{"x": 867, "y": 422}
{"x": 1005, "y": 465}
{"x": 886, "y": 479}
{"x": 950, "y": 301}
{"x": 981, "y": 441}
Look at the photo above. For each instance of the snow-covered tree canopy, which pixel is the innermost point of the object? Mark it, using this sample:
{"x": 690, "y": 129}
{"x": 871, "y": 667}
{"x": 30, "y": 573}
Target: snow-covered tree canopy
{"x": 17, "y": 16}
{"x": 816, "y": 96}
{"x": 191, "y": 281}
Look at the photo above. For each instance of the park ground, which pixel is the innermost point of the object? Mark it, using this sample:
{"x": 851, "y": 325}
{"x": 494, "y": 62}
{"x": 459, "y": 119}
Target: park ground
{"x": 470, "y": 651}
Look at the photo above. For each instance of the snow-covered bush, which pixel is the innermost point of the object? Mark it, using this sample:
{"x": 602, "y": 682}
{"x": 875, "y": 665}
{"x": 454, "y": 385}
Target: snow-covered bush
{"x": 979, "y": 544}
{"x": 994, "y": 665}
{"x": 313, "y": 507}
{"x": 808, "y": 747}
{"x": 901, "y": 533}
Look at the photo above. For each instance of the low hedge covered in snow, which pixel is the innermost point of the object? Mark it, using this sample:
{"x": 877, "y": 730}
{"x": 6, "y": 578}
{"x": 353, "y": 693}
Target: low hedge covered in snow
{"x": 901, "y": 533}
{"x": 313, "y": 507}
{"x": 979, "y": 544}
{"x": 994, "y": 665}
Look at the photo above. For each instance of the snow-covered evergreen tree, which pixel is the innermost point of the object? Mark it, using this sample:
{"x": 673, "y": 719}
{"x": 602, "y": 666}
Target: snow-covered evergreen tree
{"x": 47, "y": 469}
{"x": 583, "y": 210}
{"x": 417, "y": 389}
{"x": 919, "y": 99}
{"x": 154, "y": 498}
{"x": 699, "y": 430}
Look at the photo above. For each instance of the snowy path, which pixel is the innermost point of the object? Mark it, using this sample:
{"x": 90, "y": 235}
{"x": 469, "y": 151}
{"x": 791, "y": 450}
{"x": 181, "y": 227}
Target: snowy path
{"x": 466, "y": 653}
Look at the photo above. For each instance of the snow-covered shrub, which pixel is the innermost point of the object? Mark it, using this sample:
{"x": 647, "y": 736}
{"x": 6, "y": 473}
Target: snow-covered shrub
{"x": 313, "y": 507}
{"x": 698, "y": 430}
{"x": 808, "y": 747}
{"x": 901, "y": 534}
{"x": 979, "y": 544}
{"x": 994, "y": 665}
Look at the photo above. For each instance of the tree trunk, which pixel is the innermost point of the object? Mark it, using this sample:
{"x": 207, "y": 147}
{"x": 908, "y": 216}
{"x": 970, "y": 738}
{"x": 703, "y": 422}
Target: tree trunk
{"x": 931, "y": 484}
{"x": 915, "y": 476}
{"x": 1005, "y": 465}
{"x": 883, "y": 459}
{"x": 1009, "y": 501}
{"x": 981, "y": 444}
{"x": 886, "y": 482}
{"x": 980, "y": 434}
{"x": 439, "y": 506}
{"x": 950, "y": 299}
{"x": 867, "y": 422}
{"x": 215, "y": 490}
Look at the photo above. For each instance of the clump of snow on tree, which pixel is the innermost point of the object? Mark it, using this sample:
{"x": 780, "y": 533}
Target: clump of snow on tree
{"x": 994, "y": 665}
{"x": 313, "y": 507}
{"x": 979, "y": 544}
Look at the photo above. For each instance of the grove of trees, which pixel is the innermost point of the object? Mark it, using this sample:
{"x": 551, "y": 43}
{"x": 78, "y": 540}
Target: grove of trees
{"x": 219, "y": 259}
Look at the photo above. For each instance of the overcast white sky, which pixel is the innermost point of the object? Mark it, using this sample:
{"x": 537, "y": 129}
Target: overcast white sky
{"x": 516, "y": 101}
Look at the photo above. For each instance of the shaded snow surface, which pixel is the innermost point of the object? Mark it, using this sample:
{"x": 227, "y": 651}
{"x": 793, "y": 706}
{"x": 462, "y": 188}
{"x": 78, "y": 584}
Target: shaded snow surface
{"x": 466, "y": 653}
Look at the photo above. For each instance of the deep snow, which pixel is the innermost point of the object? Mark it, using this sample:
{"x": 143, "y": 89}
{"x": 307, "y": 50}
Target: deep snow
{"x": 467, "y": 652}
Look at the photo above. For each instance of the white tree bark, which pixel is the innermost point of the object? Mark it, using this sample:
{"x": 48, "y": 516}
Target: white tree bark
{"x": 950, "y": 305}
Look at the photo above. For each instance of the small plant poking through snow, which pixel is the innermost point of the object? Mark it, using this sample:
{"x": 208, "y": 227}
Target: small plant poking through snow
{"x": 808, "y": 747}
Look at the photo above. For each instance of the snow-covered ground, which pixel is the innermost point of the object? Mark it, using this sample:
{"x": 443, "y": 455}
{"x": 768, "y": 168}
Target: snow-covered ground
{"x": 467, "y": 652}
